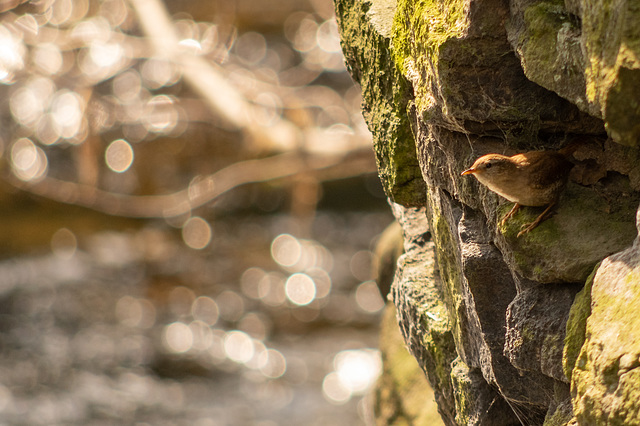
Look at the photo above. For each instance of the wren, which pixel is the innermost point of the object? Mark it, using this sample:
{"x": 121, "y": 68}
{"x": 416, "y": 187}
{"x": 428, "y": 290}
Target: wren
{"x": 535, "y": 178}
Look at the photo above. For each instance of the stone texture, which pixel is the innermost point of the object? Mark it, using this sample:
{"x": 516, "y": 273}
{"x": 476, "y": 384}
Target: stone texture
{"x": 586, "y": 51}
{"x": 403, "y": 395}
{"x": 422, "y": 316}
{"x": 536, "y": 323}
{"x": 605, "y": 381}
{"x": 498, "y": 323}
{"x": 385, "y": 92}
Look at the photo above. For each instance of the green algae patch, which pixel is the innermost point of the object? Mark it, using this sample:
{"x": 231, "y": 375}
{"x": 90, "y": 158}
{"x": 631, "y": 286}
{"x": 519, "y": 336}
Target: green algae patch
{"x": 612, "y": 41}
{"x": 551, "y": 51}
{"x": 424, "y": 319}
{"x": 421, "y": 27}
{"x": 448, "y": 268}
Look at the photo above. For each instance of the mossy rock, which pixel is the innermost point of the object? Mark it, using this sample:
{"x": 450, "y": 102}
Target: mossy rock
{"x": 586, "y": 51}
{"x": 403, "y": 395}
{"x": 587, "y": 227}
{"x": 605, "y": 381}
{"x": 364, "y": 29}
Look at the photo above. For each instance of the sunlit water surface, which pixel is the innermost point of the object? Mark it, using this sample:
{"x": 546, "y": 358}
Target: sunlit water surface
{"x": 238, "y": 322}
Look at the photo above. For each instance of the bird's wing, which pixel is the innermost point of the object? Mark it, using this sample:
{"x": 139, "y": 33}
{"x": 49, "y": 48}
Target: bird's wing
{"x": 548, "y": 168}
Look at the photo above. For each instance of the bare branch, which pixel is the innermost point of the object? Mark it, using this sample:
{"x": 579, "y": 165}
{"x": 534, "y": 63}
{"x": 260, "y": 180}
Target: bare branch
{"x": 222, "y": 98}
{"x": 203, "y": 190}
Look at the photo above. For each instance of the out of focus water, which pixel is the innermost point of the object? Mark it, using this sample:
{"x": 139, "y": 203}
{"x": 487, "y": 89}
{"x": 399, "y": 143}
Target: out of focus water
{"x": 260, "y": 327}
{"x": 256, "y": 306}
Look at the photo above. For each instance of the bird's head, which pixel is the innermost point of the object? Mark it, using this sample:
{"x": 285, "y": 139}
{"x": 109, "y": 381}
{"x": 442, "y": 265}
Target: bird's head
{"x": 490, "y": 165}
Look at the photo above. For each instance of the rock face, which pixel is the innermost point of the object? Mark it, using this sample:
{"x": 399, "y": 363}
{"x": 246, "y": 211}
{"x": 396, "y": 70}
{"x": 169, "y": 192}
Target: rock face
{"x": 505, "y": 327}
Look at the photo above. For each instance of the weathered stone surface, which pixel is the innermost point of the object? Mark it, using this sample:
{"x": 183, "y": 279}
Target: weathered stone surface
{"x": 588, "y": 226}
{"x": 476, "y": 402}
{"x": 586, "y": 51}
{"x": 536, "y": 323}
{"x": 466, "y": 76}
{"x": 403, "y": 395}
{"x": 494, "y": 319}
{"x": 605, "y": 381}
{"x": 386, "y": 93}
{"x": 422, "y": 315}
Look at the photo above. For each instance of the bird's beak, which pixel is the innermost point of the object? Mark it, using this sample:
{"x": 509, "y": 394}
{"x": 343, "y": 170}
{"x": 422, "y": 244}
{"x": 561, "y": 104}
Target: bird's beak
{"x": 468, "y": 172}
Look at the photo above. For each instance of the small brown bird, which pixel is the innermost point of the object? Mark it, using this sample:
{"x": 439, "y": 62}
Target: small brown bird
{"x": 535, "y": 178}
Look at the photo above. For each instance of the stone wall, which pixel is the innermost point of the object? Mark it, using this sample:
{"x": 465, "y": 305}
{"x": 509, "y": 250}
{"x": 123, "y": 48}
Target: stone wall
{"x": 529, "y": 330}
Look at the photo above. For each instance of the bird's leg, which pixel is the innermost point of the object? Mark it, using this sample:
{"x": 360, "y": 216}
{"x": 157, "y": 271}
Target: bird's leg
{"x": 513, "y": 211}
{"x": 529, "y": 226}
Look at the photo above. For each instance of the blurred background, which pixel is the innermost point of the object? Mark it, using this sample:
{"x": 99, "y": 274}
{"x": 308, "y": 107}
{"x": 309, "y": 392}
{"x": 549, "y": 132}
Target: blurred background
{"x": 188, "y": 211}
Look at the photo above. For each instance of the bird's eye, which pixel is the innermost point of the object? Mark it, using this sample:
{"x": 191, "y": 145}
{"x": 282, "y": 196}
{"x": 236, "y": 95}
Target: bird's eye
{"x": 488, "y": 166}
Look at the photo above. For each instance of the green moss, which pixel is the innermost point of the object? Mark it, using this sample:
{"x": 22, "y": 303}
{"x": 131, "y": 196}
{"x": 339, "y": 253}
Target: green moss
{"x": 403, "y": 395}
{"x": 576, "y": 327}
{"x": 420, "y": 29}
{"x": 448, "y": 267}
{"x": 558, "y": 418}
{"x": 606, "y": 377}
{"x": 584, "y": 228}
{"x": 550, "y": 50}
{"x": 386, "y": 95}
{"x": 463, "y": 391}
{"x": 610, "y": 37}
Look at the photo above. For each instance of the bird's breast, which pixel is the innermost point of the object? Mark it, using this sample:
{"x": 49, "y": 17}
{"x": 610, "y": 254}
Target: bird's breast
{"x": 519, "y": 190}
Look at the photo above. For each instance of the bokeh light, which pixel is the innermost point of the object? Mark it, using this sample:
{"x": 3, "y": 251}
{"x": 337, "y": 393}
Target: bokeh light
{"x": 272, "y": 363}
{"x": 12, "y": 52}
{"x": 202, "y": 335}
{"x": 355, "y": 372}
{"x": 271, "y": 289}
{"x": 231, "y": 305}
{"x": 196, "y": 233}
{"x": 140, "y": 315}
{"x": 119, "y": 156}
{"x": 67, "y": 111}
{"x": 238, "y": 346}
{"x": 334, "y": 390}
{"x": 300, "y": 289}
{"x": 47, "y": 58}
{"x": 135, "y": 312}
{"x": 28, "y": 161}
{"x": 161, "y": 114}
{"x": 64, "y": 243}
{"x": 177, "y": 337}
{"x": 205, "y": 309}
{"x": 30, "y": 101}
{"x": 157, "y": 73}
{"x": 181, "y": 300}
{"x": 255, "y": 324}
{"x": 368, "y": 297}
{"x": 286, "y": 250}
